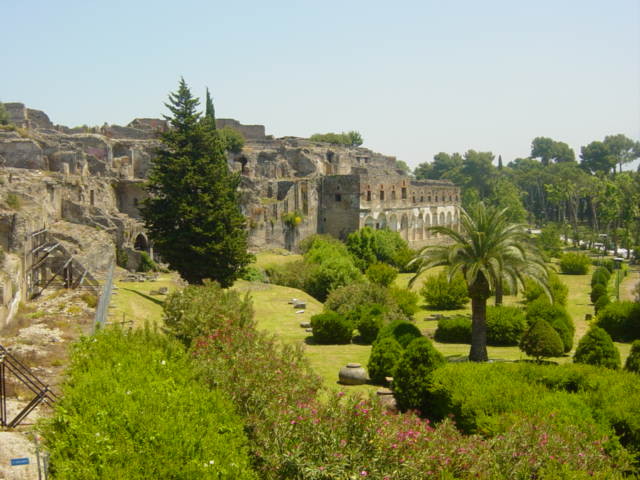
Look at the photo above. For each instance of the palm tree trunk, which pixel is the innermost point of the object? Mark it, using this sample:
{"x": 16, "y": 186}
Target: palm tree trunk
{"x": 498, "y": 294}
{"x": 478, "y": 351}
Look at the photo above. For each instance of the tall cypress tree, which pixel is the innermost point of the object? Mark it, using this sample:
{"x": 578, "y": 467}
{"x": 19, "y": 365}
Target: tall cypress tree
{"x": 192, "y": 213}
{"x": 209, "y": 111}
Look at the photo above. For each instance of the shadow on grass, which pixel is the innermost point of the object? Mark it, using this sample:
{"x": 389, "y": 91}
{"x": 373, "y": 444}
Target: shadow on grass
{"x": 144, "y": 295}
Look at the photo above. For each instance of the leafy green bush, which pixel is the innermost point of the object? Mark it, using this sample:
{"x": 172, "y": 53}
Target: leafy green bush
{"x": 291, "y": 274}
{"x": 369, "y": 246}
{"x": 198, "y": 310}
{"x": 549, "y": 240}
{"x": 505, "y": 325}
{"x": 132, "y": 408}
{"x": 559, "y": 291}
{"x": 602, "y": 302}
{"x": 597, "y": 291}
{"x": 348, "y": 300}
{"x": 440, "y": 294}
{"x": 232, "y": 139}
{"x": 607, "y": 263}
{"x": 368, "y": 320}
{"x": 254, "y": 274}
{"x": 600, "y": 276}
{"x": 381, "y": 274}
{"x": 556, "y": 316}
{"x": 621, "y": 320}
{"x": 330, "y": 266}
{"x": 541, "y": 340}
{"x": 349, "y": 139}
{"x": 122, "y": 258}
{"x": 597, "y": 348}
{"x": 633, "y": 360}
{"x": 404, "y": 332}
{"x": 331, "y": 328}
{"x": 574, "y": 263}
{"x": 454, "y": 330}
{"x": 146, "y": 263}
{"x": 412, "y": 374}
{"x": 383, "y": 359}
{"x": 406, "y": 300}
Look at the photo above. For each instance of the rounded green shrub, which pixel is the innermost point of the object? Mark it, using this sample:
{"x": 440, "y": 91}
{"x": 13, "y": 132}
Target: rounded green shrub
{"x": 600, "y": 276}
{"x": 633, "y": 360}
{"x": 368, "y": 320}
{"x": 357, "y": 295}
{"x": 559, "y": 291}
{"x": 199, "y": 310}
{"x": 381, "y": 274}
{"x": 556, "y": 316}
{"x": 597, "y": 291}
{"x": 505, "y": 325}
{"x": 411, "y": 378}
{"x": 597, "y": 348}
{"x": 454, "y": 330}
{"x": 331, "y": 328}
{"x": 440, "y": 294}
{"x": 607, "y": 263}
{"x": 574, "y": 263}
{"x": 602, "y": 302}
{"x": 384, "y": 356}
{"x": 621, "y": 320}
{"x": 404, "y": 332}
{"x": 406, "y": 300}
{"x": 541, "y": 340}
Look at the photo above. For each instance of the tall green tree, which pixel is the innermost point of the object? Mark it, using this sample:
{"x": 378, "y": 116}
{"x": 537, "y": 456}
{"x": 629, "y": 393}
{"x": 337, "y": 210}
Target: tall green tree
{"x": 489, "y": 251}
{"x": 547, "y": 149}
{"x": 622, "y": 149}
{"x": 597, "y": 158}
{"x": 209, "y": 110}
{"x": 192, "y": 213}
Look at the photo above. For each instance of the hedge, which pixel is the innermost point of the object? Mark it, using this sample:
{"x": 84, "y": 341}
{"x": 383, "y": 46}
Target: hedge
{"x": 574, "y": 263}
{"x": 597, "y": 348}
{"x": 621, "y": 320}
{"x": 133, "y": 409}
{"x": 331, "y": 328}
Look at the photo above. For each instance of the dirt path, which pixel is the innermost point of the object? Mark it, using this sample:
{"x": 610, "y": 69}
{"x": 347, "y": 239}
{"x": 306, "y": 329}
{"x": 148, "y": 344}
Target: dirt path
{"x": 629, "y": 283}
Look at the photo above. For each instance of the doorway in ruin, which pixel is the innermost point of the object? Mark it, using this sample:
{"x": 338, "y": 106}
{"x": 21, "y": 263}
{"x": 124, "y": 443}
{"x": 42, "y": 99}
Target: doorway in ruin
{"x": 404, "y": 227}
{"x": 141, "y": 243}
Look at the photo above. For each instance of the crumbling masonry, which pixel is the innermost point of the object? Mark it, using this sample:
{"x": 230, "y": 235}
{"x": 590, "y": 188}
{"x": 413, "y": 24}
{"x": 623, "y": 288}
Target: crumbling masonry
{"x": 79, "y": 189}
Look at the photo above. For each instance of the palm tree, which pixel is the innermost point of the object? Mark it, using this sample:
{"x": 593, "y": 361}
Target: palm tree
{"x": 490, "y": 252}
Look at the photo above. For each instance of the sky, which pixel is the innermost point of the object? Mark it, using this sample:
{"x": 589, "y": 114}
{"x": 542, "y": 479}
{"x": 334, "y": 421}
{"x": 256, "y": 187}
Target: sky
{"x": 413, "y": 77}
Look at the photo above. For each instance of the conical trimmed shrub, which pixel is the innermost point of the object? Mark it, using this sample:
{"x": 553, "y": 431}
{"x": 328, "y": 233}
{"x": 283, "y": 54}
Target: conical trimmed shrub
{"x": 383, "y": 359}
{"x": 541, "y": 341}
{"x": 413, "y": 374}
{"x": 597, "y": 348}
{"x": 633, "y": 360}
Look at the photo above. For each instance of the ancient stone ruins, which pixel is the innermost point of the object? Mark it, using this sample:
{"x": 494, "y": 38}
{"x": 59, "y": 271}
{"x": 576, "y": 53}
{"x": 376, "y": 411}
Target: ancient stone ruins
{"x": 69, "y": 197}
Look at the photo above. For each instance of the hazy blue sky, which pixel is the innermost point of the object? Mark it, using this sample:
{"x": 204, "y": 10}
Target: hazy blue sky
{"x": 414, "y": 77}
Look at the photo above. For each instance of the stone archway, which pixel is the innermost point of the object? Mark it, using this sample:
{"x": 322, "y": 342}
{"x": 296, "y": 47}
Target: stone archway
{"x": 141, "y": 243}
{"x": 449, "y": 219}
{"x": 427, "y": 225}
{"x": 404, "y": 227}
{"x": 370, "y": 222}
{"x": 393, "y": 223}
{"x": 381, "y": 222}
{"x": 442, "y": 219}
{"x": 418, "y": 228}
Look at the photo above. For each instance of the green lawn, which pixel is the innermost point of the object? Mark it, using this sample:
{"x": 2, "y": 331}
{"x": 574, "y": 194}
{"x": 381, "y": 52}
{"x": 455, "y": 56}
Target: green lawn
{"x": 274, "y": 314}
{"x": 133, "y": 302}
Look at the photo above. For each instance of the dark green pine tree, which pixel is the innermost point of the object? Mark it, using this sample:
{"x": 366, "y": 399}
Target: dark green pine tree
{"x": 499, "y": 162}
{"x": 192, "y": 213}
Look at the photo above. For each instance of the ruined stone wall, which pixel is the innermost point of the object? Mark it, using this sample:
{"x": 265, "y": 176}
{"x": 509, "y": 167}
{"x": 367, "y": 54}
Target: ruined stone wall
{"x": 249, "y": 132}
{"x": 407, "y": 206}
{"x": 339, "y": 205}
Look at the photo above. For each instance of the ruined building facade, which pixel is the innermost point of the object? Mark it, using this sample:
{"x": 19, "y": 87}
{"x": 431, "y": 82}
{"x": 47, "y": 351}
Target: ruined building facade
{"x": 69, "y": 197}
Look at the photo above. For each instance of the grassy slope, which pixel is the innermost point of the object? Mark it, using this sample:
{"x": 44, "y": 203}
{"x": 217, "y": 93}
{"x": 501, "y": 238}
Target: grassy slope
{"x": 132, "y": 301}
